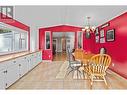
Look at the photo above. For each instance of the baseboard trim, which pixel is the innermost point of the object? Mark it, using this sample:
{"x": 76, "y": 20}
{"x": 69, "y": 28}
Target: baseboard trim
{"x": 47, "y": 61}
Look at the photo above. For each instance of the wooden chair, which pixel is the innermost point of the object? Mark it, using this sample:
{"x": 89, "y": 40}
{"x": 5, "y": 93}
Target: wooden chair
{"x": 97, "y": 67}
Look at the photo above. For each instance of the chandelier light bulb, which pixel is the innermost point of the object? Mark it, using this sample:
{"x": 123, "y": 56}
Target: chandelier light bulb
{"x": 88, "y": 28}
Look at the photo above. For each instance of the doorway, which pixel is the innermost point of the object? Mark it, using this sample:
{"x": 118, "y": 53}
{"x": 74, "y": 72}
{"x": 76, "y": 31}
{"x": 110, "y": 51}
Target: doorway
{"x": 62, "y": 41}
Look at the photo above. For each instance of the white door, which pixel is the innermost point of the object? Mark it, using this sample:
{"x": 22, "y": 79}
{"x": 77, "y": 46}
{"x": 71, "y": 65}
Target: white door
{"x": 12, "y": 74}
{"x": 2, "y": 79}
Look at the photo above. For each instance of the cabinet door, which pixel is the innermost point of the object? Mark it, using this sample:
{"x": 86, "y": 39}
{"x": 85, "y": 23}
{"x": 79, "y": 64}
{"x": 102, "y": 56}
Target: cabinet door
{"x": 23, "y": 65}
{"x": 29, "y": 62}
{"x": 36, "y": 59}
{"x": 12, "y": 74}
{"x": 33, "y": 61}
{"x": 2, "y": 79}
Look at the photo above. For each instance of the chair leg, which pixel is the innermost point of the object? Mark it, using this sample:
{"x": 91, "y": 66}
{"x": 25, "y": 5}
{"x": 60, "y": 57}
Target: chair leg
{"x": 68, "y": 67}
{"x": 105, "y": 81}
{"x": 83, "y": 75}
{"x": 91, "y": 81}
{"x": 69, "y": 72}
{"x": 80, "y": 74}
{"x": 77, "y": 73}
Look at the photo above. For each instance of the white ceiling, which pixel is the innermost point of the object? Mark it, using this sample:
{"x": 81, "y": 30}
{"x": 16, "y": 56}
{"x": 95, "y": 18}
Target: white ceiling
{"x": 44, "y": 16}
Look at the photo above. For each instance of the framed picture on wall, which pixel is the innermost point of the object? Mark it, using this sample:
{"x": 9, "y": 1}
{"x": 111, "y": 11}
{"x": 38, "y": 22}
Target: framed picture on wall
{"x": 101, "y": 33}
{"x": 102, "y": 40}
{"x": 97, "y": 39}
{"x": 110, "y": 35}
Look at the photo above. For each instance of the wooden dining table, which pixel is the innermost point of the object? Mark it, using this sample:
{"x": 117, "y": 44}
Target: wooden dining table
{"x": 84, "y": 57}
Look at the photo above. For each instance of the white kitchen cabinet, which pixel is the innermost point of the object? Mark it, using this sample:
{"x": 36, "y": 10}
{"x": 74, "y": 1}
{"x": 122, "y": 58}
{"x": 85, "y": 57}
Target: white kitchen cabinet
{"x": 28, "y": 58}
{"x": 39, "y": 57}
{"x": 12, "y": 70}
{"x": 32, "y": 61}
{"x": 12, "y": 73}
{"x": 2, "y": 79}
{"x": 23, "y": 65}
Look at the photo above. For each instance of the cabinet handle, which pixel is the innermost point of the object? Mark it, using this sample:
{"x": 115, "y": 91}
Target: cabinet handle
{"x": 4, "y": 71}
{"x": 14, "y": 61}
{"x": 6, "y": 84}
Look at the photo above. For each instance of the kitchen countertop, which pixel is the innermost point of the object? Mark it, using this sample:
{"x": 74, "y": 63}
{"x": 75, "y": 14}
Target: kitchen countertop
{"x": 15, "y": 55}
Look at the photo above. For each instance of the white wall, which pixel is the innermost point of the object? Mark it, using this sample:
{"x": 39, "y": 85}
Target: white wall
{"x": 34, "y": 39}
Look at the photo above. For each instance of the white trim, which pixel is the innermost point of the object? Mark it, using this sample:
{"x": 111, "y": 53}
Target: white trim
{"x": 61, "y": 46}
{"x": 46, "y": 60}
{"x": 67, "y": 42}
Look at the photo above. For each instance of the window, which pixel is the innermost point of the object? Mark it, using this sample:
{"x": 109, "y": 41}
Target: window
{"x": 47, "y": 40}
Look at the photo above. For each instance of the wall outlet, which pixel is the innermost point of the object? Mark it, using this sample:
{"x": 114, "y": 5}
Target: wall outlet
{"x": 113, "y": 64}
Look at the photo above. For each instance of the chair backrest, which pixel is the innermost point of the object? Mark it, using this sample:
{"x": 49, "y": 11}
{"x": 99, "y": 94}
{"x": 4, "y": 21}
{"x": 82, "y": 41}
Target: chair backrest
{"x": 102, "y": 50}
{"x": 99, "y": 63}
{"x": 70, "y": 56}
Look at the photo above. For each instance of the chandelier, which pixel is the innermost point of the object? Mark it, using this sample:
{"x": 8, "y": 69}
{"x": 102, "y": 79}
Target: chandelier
{"x": 88, "y": 28}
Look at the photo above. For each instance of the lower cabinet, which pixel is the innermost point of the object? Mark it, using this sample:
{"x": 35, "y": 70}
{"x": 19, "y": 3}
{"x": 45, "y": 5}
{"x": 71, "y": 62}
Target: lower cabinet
{"x": 14, "y": 69}
{"x": 12, "y": 74}
{"x": 2, "y": 79}
{"x": 9, "y": 74}
{"x": 23, "y": 65}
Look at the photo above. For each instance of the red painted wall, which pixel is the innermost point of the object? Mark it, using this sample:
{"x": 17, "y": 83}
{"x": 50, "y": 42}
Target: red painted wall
{"x": 118, "y": 48}
{"x": 17, "y": 24}
{"x": 89, "y": 44}
{"x": 47, "y": 54}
